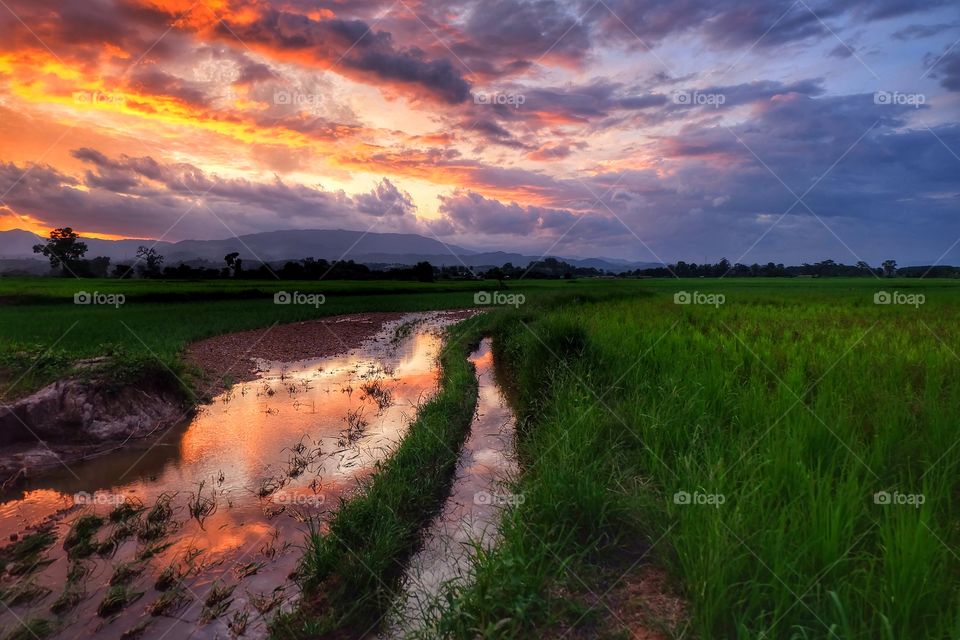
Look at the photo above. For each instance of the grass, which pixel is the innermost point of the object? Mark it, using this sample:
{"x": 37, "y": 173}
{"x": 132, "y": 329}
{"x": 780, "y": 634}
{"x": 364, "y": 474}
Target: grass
{"x": 350, "y": 574}
{"x": 33, "y": 629}
{"x": 788, "y": 457}
{"x": 79, "y": 541}
{"x": 116, "y": 599}
{"x": 46, "y": 335}
{"x": 27, "y": 554}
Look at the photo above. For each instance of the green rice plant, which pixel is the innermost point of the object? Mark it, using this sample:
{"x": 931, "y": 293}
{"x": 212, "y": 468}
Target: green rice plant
{"x": 788, "y": 457}
{"x": 79, "y": 542}
{"x": 116, "y": 599}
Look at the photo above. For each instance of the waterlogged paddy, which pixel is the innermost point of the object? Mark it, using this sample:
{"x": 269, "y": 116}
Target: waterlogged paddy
{"x": 216, "y": 511}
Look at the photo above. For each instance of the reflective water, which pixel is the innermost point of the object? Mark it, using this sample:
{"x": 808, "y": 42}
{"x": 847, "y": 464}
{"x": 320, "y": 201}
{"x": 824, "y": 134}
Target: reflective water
{"x": 470, "y": 515}
{"x": 240, "y": 480}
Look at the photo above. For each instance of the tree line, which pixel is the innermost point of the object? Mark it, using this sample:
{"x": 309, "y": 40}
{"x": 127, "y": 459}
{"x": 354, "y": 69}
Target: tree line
{"x": 66, "y": 250}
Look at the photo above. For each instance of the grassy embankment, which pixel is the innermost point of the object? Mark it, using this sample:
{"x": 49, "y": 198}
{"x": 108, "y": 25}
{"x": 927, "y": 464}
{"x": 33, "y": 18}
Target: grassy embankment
{"x": 789, "y": 457}
{"x": 350, "y": 573}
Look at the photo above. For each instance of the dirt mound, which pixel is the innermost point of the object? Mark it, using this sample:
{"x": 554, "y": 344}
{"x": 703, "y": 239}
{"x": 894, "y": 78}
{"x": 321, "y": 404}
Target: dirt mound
{"x": 73, "y": 418}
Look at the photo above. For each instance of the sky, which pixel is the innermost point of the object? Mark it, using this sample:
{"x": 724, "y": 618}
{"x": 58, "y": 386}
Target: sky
{"x": 648, "y": 130}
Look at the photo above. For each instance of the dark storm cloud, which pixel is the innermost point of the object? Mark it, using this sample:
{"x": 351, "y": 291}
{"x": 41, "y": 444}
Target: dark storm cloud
{"x": 945, "y": 68}
{"x": 77, "y": 32}
{"x": 877, "y": 182}
{"x": 919, "y": 31}
{"x": 734, "y": 24}
{"x": 524, "y": 31}
{"x": 354, "y": 45}
{"x": 151, "y": 80}
{"x": 141, "y": 197}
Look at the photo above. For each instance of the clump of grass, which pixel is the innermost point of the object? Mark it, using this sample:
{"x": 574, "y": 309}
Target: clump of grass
{"x": 79, "y": 542}
{"x": 269, "y": 486}
{"x": 26, "y": 554}
{"x": 238, "y": 622}
{"x": 264, "y": 603}
{"x": 152, "y": 550}
{"x": 356, "y": 425}
{"x": 78, "y": 571}
{"x": 74, "y": 591}
{"x": 201, "y": 506}
{"x": 32, "y": 629}
{"x": 248, "y": 569}
{"x": 170, "y": 576}
{"x": 158, "y": 521}
{"x": 116, "y": 599}
{"x": 22, "y": 593}
{"x": 217, "y": 602}
{"x": 121, "y": 531}
{"x": 69, "y": 598}
{"x": 380, "y": 394}
{"x": 296, "y": 465}
{"x": 135, "y": 632}
{"x": 125, "y": 572}
{"x": 404, "y": 330}
{"x": 169, "y": 602}
{"x": 129, "y": 508}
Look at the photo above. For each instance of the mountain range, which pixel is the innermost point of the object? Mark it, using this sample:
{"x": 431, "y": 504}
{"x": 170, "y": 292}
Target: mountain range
{"x": 375, "y": 249}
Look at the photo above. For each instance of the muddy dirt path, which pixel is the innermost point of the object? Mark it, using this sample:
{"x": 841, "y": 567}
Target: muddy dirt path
{"x": 471, "y": 513}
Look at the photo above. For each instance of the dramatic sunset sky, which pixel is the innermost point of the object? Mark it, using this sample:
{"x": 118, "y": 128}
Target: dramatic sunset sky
{"x": 642, "y": 129}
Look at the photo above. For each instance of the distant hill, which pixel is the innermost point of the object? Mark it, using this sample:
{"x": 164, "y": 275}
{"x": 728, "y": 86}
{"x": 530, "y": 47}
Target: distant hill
{"x": 280, "y": 246}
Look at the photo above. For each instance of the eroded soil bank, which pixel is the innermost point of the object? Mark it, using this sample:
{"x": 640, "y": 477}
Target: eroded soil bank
{"x": 74, "y": 419}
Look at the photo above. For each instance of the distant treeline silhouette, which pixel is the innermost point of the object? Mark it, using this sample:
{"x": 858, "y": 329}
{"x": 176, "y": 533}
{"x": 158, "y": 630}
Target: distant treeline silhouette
{"x": 824, "y": 269}
{"x": 65, "y": 250}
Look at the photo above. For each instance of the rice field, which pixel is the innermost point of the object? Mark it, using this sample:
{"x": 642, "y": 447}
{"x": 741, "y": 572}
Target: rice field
{"x": 788, "y": 453}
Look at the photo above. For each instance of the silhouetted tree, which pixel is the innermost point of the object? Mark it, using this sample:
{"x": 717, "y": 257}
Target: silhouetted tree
{"x": 122, "y": 271}
{"x": 151, "y": 259}
{"x": 234, "y": 263}
{"x": 63, "y": 248}
{"x": 423, "y": 271}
